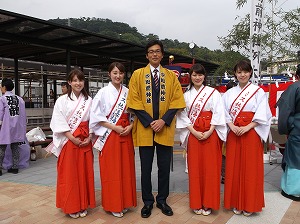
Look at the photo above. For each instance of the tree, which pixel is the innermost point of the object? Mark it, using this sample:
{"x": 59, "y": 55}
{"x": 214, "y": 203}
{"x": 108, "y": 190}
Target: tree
{"x": 228, "y": 59}
{"x": 131, "y": 38}
{"x": 123, "y": 31}
{"x": 280, "y": 33}
{"x": 152, "y": 36}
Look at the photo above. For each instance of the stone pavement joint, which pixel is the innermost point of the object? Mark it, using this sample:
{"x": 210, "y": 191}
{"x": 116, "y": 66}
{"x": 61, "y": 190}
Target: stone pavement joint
{"x": 29, "y": 197}
{"x": 26, "y": 203}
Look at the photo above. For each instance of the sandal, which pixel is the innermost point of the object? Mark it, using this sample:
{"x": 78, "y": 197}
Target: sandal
{"x": 206, "y": 211}
{"x": 237, "y": 212}
{"x": 83, "y": 213}
{"x": 74, "y": 215}
{"x": 198, "y": 211}
{"x": 117, "y": 214}
{"x": 245, "y": 213}
{"x": 125, "y": 210}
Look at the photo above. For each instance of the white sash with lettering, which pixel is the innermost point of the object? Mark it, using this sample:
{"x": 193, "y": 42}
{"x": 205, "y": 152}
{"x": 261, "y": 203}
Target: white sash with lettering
{"x": 197, "y": 107}
{"x": 199, "y": 103}
{"x": 73, "y": 121}
{"x": 112, "y": 118}
{"x": 240, "y": 102}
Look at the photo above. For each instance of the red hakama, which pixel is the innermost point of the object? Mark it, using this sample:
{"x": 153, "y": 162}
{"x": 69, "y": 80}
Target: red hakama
{"x": 244, "y": 173}
{"x": 117, "y": 171}
{"x": 75, "y": 175}
{"x": 204, "y": 166}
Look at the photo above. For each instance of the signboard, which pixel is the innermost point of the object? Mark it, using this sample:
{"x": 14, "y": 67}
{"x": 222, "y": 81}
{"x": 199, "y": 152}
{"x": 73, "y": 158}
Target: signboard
{"x": 256, "y": 27}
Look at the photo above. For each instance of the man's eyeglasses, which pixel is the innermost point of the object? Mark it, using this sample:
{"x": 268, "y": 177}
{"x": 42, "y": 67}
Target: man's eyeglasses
{"x": 154, "y": 52}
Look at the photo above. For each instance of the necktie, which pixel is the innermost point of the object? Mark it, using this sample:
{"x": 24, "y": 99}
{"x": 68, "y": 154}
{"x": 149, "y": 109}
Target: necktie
{"x": 155, "y": 78}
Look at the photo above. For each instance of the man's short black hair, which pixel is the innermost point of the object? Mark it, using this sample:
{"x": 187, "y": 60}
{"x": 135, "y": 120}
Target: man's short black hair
{"x": 8, "y": 83}
{"x": 154, "y": 42}
{"x": 64, "y": 84}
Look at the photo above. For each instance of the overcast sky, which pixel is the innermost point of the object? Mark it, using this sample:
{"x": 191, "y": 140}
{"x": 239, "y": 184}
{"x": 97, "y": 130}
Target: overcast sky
{"x": 195, "y": 21}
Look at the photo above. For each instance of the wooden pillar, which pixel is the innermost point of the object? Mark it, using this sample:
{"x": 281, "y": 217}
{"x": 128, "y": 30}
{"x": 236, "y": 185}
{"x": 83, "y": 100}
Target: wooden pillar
{"x": 16, "y": 71}
{"x": 45, "y": 94}
{"x": 55, "y": 89}
{"x": 68, "y": 62}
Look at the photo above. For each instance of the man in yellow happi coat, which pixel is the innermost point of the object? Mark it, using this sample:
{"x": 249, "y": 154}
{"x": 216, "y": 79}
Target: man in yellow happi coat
{"x": 154, "y": 96}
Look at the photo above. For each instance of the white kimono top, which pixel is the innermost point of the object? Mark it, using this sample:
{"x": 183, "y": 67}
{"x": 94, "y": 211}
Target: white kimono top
{"x": 102, "y": 105}
{"x": 213, "y": 104}
{"x": 257, "y": 104}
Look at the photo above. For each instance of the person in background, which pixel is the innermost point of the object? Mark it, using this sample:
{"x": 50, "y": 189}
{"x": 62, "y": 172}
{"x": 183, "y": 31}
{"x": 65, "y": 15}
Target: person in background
{"x": 154, "y": 96}
{"x": 51, "y": 98}
{"x": 229, "y": 85}
{"x": 112, "y": 124}
{"x": 12, "y": 124}
{"x": 64, "y": 87}
{"x": 289, "y": 124}
{"x": 51, "y": 93}
{"x": 202, "y": 129}
{"x": 72, "y": 145}
{"x": 248, "y": 117}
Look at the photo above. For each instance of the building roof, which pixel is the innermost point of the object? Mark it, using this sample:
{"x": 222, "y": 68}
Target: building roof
{"x": 31, "y": 39}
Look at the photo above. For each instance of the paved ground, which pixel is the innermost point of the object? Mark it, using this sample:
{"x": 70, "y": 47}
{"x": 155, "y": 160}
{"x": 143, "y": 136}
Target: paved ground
{"x": 29, "y": 197}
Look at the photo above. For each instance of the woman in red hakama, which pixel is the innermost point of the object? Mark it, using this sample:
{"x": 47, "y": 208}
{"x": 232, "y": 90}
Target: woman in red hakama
{"x": 112, "y": 124}
{"x": 204, "y": 166}
{"x": 72, "y": 145}
{"x": 244, "y": 169}
{"x": 75, "y": 175}
{"x": 202, "y": 129}
{"x": 117, "y": 171}
{"x": 248, "y": 116}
